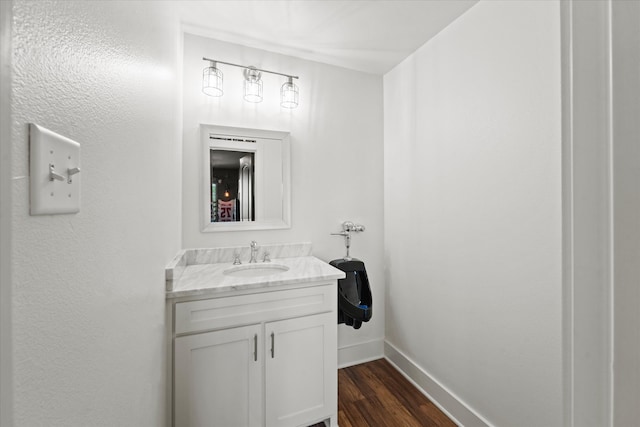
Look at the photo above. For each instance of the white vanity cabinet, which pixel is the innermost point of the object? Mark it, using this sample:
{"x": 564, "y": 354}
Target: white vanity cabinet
{"x": 267, "y": 358}
{"x": 301, "y": 370}
{"x": 218, "y": 378}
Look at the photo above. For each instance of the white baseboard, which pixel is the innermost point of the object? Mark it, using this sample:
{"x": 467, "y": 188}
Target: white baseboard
{"x": 444, "y": 399}
{"x": 360, "y": 353}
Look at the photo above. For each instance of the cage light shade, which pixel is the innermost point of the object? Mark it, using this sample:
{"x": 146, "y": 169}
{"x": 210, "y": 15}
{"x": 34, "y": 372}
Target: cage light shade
{"x": 253, "y": 91}
{"x": 212, "y": 81}
{"x": 252, "y": 85}
{"x": 289, "y": 94}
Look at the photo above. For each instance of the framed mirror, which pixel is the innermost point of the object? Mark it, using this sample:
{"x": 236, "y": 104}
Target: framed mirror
{"x": 245, "y": 179}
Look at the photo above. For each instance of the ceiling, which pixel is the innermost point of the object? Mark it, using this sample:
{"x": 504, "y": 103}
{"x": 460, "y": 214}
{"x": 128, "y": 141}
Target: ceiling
{"x": 364, "y": 35}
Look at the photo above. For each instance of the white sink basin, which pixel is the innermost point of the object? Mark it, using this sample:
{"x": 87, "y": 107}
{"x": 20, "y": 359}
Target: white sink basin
{"x": 255, "y": 270}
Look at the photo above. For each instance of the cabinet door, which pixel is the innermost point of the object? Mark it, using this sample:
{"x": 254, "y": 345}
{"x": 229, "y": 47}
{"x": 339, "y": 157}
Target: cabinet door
{"x": 301, "y": 370}
{"x": 218, "y": 378}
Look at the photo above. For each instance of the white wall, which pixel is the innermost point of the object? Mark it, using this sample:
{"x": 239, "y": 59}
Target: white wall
{"x": 6, "y": 380}
{"x": 336, "y": 160}
{"x": 88, "y": 289}
{"x": 601, "y": 91}
{"x": 626, "y": 220}
{"x": 472, "y": 154}
{"x": 586, "y": 213}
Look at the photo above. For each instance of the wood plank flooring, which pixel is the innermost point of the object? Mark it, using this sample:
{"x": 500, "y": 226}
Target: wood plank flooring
{"x": 375, "y": 394}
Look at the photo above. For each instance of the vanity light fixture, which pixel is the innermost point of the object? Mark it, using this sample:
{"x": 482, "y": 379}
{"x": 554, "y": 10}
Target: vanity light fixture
{"x": 289, "y": 94}
{"x": 212, "y": 83}
{"x": 252, "y": 85}
{"x": 212, "y": 80}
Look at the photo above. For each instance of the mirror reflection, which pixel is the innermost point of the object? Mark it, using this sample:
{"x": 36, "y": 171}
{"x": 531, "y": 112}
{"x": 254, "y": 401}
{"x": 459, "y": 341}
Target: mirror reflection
{"x": 246, "y": 181}
{"x": 232, "y": 185}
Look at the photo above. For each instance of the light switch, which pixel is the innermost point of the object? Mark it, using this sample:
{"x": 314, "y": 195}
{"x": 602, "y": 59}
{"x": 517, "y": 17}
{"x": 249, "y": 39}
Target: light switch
{"x": 54, "y": 163}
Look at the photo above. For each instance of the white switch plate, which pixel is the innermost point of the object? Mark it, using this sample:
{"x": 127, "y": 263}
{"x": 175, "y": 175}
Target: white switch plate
{"x": 49, "y": 152}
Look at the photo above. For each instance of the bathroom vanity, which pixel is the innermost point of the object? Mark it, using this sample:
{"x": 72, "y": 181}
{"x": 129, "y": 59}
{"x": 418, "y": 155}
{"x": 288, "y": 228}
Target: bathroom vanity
{"x": 252, "y": 344}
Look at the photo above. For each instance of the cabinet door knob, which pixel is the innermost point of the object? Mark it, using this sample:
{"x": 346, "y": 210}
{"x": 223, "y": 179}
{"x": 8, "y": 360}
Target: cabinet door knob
{"x": 273, "y": 344}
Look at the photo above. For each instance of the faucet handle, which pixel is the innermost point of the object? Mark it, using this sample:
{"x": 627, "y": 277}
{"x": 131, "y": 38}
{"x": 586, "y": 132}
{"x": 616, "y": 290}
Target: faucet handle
{"x": 236, "y": 259}
{"x": 266, "y": 257}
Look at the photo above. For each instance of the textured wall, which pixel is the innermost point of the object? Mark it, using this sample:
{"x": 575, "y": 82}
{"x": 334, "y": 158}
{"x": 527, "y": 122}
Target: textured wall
{"x": 6, "y": 383}
{"x": 89, "y": 288}
{"x": 336, "y": 158}
{"x": 473, "y": 211}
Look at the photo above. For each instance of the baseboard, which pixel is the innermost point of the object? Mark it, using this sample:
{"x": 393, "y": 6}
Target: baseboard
{"x": 360, "y": 353}
{"x": 444, "y": 399}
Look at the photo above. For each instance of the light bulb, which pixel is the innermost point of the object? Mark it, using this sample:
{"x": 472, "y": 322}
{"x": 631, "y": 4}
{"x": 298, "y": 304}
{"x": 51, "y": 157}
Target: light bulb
{"x": 212, "y": 80}
{"x": 289, "y": 94}
{"x": 252, "y": 85}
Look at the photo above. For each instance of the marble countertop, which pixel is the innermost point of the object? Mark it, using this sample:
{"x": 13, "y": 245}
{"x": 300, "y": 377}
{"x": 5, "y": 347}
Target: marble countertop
{"x": 210, "y": 279}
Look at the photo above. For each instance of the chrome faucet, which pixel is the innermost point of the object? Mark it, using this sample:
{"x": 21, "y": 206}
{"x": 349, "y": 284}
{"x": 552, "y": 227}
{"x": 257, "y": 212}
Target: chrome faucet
{"x": 254, "y": 251}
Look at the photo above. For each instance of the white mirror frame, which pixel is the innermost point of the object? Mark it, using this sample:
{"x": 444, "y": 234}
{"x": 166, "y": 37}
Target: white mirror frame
{"x": 207, "y": 144}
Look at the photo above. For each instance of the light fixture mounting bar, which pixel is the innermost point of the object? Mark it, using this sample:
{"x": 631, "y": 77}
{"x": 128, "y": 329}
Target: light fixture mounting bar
{"x": 254, "y": 68}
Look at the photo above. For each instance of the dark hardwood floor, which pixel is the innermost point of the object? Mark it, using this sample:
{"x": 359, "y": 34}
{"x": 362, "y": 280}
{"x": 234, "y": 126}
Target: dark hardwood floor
{"x": 375, "y": 394}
